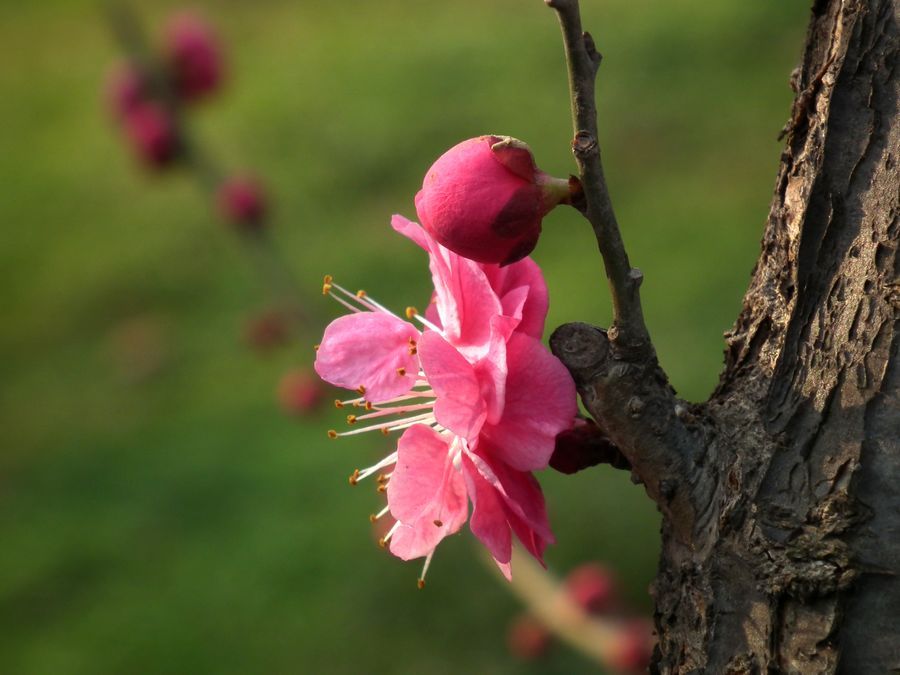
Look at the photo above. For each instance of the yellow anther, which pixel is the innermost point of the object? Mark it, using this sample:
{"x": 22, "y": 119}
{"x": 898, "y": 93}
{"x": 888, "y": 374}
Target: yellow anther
{"x": 373, "y": 518}
{"x": 420, "y": 584}
{"x": 361, "y": 389}
{"x": 411, "y": 312}
{"x": 351, "y": 419}
{"x": 360, "y": 293}
{"x": 381, "y": 488}
{"x": 368, "y": 405}
{"x": 401, "y": 371}
{"x": 412, "y": 347}
{"x": 382, "y": 542}
{"x": 384, "y": 431}
{"x": 327, "y": 279}
{"x": 354, "y": 477}
{"x": 332, "y": 433}
{"x": 381, "y": 478}
{"x": 316, "y": 347}
{"x": 338, "y": 403}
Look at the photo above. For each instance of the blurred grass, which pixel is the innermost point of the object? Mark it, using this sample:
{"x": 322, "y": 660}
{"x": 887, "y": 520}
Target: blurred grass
{"x": 181, "y": 524}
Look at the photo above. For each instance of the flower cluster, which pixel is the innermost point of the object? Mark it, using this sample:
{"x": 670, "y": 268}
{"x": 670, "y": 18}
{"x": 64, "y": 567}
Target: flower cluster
{"x": 478, "y": 397}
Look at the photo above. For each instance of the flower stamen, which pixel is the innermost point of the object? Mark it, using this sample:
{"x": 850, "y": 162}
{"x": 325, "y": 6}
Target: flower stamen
{"x": 420, "y": 582}
{"x": 375, "y": 517}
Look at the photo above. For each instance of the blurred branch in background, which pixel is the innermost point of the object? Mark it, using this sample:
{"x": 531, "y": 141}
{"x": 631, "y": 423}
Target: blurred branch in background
{"x": 148, "y": 94}
{"x": 583, "y": 612}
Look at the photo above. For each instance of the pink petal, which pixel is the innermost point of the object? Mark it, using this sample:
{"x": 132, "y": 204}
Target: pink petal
{"x": 463, "y": 296}
{"x": 491, "y": 369}
{"x": 369, "y": 349}
{"x": 426, "y": 493}
{"x": 459, "y": 405}
{"x": 520, "y": 490}
{"x": 488, "y": 521}
{"x": 464, "y": 300}
{"x": 412, "y": 231}
{"x": 540, "y": 402}
{"x": 527, "y": 274}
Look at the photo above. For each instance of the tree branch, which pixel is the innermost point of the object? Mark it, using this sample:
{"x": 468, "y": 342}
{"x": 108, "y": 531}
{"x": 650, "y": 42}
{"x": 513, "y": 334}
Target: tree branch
{"x": 624, "y": 281}
{"x": 616, "y": 371}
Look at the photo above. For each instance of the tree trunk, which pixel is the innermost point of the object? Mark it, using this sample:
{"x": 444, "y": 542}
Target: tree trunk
{"x": 781, "y": 494}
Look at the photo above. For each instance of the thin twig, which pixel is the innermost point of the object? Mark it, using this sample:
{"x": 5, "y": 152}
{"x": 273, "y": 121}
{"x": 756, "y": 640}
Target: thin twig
{"x": 277, "y": 275}
{"x": 616, "y": 371}
{"x": 624, "y": 281}
{"x": 598, "y": 638}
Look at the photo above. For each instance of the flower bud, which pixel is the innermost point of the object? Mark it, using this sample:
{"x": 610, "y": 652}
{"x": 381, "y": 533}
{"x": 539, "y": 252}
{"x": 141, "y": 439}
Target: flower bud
{"x": 299, "y": 393}
{"x": 484, "y": 199}
{"x": 527, "y": 638}
{"x": 242, "y": 203}
{"x": 126, "y": 88}
{"x": 635, "y": 647}
{"x": 585, "y": 445}
{"x": 592, "y": 587}
{"x": 193, "y": 55}
{"x": 151, "y": 133}
{"x": 266, "y": 331}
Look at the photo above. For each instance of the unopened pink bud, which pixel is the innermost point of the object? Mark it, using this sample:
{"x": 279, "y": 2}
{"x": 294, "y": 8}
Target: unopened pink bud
{"x": 527, "y": 638}
{"x": 194, "y": 56}
{"x": 126, "y": 89}
{"x": 299, "y": 393}
{"x": 485, "y": 198}
{"x": 592, "y": 587}
{"x": 242, "y": 202}
{"x": 151, "y": 133}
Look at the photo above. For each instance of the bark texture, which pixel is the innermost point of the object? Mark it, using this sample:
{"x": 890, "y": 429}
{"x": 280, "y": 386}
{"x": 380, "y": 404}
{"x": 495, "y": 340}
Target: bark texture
{"x": 781, "y": 494}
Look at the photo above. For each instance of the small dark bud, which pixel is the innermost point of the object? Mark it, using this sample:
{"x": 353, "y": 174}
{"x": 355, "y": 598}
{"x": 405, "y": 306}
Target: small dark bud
{"x": 527, "y": 638}
{"x": 300, "y": 392}
{"x": 583, "y": 446}
{"x": 242, "y": 203}
{"x": 266, "y": 331}
{"x": 193, "y": 56}
{"x": 592, "y": 587}
{"x": 151, "y": 133}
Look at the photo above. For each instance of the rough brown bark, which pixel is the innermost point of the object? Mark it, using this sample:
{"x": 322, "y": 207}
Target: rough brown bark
{"x": 781, "y": 494}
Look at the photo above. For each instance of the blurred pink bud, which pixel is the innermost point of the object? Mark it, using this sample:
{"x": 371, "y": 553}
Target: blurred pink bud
{"x": 151, "y": 132}
{"x": 592, "y": 587}
{"x": 635, "y": 647}
{"x": 242, "y": 203}
{"x": 299, "y": 392}
{"x": 266, "y": 331}
{"x": 484, "y": 199}
{"x": 194, "y": 56}
{"x": 126, "y": 89}
{"x": 527, "y": 638}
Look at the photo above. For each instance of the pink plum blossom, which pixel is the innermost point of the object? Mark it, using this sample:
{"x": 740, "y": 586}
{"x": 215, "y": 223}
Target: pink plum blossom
{"x": 485, "y": 199}
{"x": 478, "y": 397}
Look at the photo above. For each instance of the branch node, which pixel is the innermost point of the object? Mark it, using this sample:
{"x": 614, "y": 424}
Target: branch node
{"x": 591, "y": 48}
{"x": 584, "y": 144}
{"x": 635, "y": 406}
{"x": 636, "y": 277}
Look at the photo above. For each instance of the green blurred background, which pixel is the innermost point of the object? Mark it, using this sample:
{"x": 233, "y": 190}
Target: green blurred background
{"x": 178, "y": 522}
